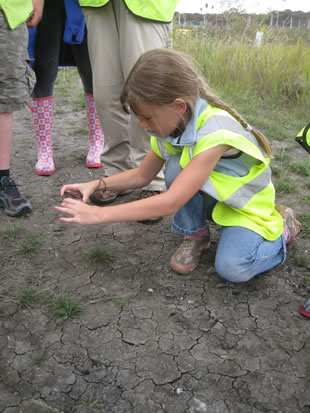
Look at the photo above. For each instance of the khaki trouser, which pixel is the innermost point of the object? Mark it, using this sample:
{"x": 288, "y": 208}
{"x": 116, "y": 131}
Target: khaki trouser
{"x": 116, "y": 39}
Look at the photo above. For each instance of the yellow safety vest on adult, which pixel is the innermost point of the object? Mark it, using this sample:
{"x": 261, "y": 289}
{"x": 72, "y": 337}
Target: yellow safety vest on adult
{"x": 247, "y": 200}
{"x": 303, "y": 138}
{"x": 157, "y": 10}
{"x": 16, "y": 11}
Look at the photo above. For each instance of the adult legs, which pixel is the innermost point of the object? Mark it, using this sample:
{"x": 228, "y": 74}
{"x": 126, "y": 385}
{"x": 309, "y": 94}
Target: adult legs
{"x": 116, "y": 39}
{"x": 47, "y": 51}
{"x": 6, "y": 133}
{"x": 16, "y": 84}
{"x": 96, "y": 138}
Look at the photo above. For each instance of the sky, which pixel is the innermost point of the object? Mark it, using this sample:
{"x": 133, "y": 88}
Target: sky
{"x": 250, "y": 6}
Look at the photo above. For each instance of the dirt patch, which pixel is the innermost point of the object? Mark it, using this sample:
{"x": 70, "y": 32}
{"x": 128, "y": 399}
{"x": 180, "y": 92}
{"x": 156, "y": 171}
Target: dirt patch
{"x": 143, "y": 339}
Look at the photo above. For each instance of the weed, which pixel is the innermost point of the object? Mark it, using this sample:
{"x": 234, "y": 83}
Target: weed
{"x": 285, "y": 186}
{"x": 37, "y": 359}
{"x": 80, "y": 100}
{"x": 62, "y": 227}
{"x": 28, "y": 296}
{"x": 283, "y": 157}
{"x": 81, "y": 131}
{"x": 305, "y": 199}
{"x": 12, "y": 232}
{"x": 306, "y": 278}
{"x": 278, "y": 172}
{"x": 29, "y": 246}
{"x": 90, "y": 402}
{"x": 305, "y": 221}
{"x": 301, "y": 261}
{"x": 59, "y": 111}
{"x": 121, "y": 302}
{"x": 302, "y": 168}
{"x": 77, "y": 156}
{"x": 99, "y": 255}
{"x": 64, "y": 307}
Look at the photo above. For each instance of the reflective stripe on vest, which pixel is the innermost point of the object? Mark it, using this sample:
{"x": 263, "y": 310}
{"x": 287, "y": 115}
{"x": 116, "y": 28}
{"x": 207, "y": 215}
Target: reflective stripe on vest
{"x": 157, "y": 10}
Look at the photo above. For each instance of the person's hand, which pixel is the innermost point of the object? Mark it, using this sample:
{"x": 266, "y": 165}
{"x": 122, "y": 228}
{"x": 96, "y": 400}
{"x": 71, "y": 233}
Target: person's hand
{"x": 83, "y": 190}
{"x": 36, "y": 16}
{"x": 80, "y": 212}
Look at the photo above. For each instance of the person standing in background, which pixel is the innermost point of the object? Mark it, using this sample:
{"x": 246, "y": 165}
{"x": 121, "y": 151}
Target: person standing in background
{"x": 119, "y": 31}
{"x": 303, "y": 138}
{"x": 61, "y": 39}
{"x": 16, "y": 84}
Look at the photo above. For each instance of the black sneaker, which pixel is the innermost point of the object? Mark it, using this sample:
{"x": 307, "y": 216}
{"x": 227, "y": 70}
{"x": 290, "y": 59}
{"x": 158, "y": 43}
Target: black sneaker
{"x": 11, "y": 200}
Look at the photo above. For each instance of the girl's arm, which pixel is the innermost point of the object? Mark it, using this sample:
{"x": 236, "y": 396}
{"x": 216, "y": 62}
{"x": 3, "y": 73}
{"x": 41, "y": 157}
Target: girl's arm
{"x": 131, "y": 179}
{"x": 187, "y": 183}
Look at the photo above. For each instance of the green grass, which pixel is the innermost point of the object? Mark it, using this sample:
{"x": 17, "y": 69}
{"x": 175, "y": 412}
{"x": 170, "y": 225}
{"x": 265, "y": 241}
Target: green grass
{"x": 81, "y": 131}
{"x": 77, "y": 156}
{"x": 305, "y": 221}
{"x": 37, "y": 359}
{"x": 27, "y": 297}
{"x": 30, "y": 245}
{"x": 12, "y": 232}
{"x": 59, "y": 112}
{"x": 301, "y": 168}
{"x": 99, "y": 255}
{"x": 63, "y": 306}
{"x": 307, "y": 278}
{"x": 121, "y": 302}
{"x": 301, "y": 261}
{"x": 278, "y": 72}
{"x": 305, "y": 199}
{"x": 285, "y": 186}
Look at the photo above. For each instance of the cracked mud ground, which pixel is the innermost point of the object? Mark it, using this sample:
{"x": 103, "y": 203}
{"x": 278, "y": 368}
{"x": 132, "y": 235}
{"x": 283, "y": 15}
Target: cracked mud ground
{"x": 147, "y": 340}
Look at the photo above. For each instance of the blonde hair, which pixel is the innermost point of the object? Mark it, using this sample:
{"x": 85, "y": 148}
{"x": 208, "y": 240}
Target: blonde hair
{"x": 162, "y": 75}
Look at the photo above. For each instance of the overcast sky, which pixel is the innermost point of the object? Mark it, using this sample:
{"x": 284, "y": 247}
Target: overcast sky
{"x": 257, "y": 6}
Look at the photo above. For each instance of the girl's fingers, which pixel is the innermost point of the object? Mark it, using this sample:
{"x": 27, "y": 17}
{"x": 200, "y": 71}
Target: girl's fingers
{"x": 65, "y": 209}
{"x": 73, "y": 220}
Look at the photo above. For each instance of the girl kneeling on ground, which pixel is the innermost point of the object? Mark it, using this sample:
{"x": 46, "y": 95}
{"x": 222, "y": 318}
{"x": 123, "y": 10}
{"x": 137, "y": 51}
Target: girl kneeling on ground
{"x": 216, "y": 169}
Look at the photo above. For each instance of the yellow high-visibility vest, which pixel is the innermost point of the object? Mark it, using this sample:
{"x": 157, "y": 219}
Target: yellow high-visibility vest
{"x": 157, "y": 10}
{"x": 303, "y": 138}
{"x": 16, "y": 11}
{"x": 246, "y": 201}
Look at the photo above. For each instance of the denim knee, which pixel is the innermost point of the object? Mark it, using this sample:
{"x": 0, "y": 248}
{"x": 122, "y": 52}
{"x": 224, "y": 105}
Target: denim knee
{"x": 232, "y": 271}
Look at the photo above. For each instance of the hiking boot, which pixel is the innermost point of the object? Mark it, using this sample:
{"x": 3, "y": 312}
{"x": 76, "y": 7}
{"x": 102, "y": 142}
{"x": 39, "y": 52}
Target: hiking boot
{"x": 186, "y": 257}
{"x": 11, "y": 200}
{"x": 291, "y": 226}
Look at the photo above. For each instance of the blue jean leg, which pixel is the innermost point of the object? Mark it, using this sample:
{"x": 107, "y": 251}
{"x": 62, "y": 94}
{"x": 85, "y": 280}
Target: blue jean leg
{"x": 242, "y": 254}
{"x": 193, "y": 215}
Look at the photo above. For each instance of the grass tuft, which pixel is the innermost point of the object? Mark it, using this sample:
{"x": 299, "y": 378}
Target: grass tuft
{"x": 285, "y": 186}
{"x": 12, "y": 232}
{"x": 99, "y": 255}
{"x": 28, "y": 296}
{"x": 301, "y": 261}
{"x": 29, "y": 246}
{"x": 63, "y": 306}
{"x": 305, "y": 221}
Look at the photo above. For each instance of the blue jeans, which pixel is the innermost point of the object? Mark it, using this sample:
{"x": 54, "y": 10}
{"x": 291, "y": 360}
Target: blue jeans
{"x": 241, "y": 253}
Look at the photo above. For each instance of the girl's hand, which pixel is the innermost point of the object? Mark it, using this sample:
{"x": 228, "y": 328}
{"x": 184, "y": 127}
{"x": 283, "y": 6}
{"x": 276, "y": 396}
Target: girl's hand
{"x": 82, "y": 191}
{"x": 82, "y": 213}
